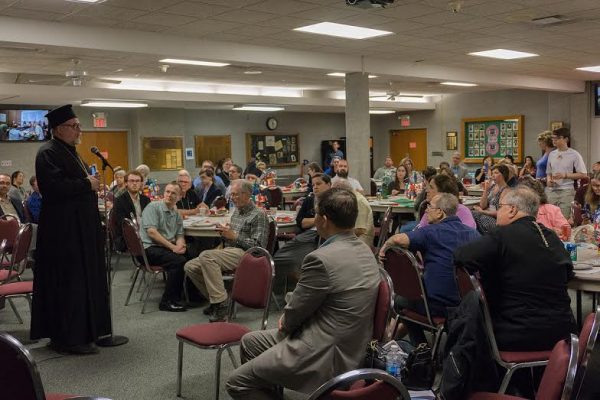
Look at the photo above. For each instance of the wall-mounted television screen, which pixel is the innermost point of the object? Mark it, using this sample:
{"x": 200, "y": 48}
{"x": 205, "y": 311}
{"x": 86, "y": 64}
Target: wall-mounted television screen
{"x": 23, "y": 126}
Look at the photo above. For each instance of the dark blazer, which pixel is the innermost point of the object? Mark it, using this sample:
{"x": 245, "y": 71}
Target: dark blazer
{"x": 18, "y": 207}
{"x": 213, "y": 193}
{"x": 123, "y": 208}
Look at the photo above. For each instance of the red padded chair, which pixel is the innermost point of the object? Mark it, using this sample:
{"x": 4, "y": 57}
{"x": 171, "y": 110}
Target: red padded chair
{"x": 586, "y": 371}
{"x": 135, "y": 247}
{"x": 463, "y": 281}
{"x": 27, "y": 212}
{"x": 386, "y": 226}
{"x": 558, "y": 378}
{"x": 509, "y": 360}
{"x": 362, "y": 384}
{"x": 287, "y": 236}
{"x": 576, "y": 213}
{"x": 13, "y": 287}
{"x": 20, "y": 376}
{"x": 275, "y": 197}
{"x": 9, "y": 228}
{"x": 384, "y": 308}
{"x": 251, "y": 288}
{"x": 407, "y": 277}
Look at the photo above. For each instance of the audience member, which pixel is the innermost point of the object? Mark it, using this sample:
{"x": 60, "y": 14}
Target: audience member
{"x": 560, "y": 176}
{"x": 34, "y": 201}
{"x": 388, "y": 169}
{"x": 524, "y": 270}
{"x": 547, "y": 146}
{"x": 17, "y": 191}
{"x": 528, "y": 167}
{"x": 483, "y": 173}
{"x": 509, "y": 159}
{"x": 582, "y": 190}
{"x": 458, "y": 168}
{"x": 312, "y": 169}
{"x": 118, "y": 186}
{"x": 207, "y": 191}
{"x": 289, "y": 257}
{"x": 437, "y": 241}
{"x": 251, "y": 169}
{"x": 162, "y": 235}
{"x": 398, "y": 185}
{"x": 461, "y": 188}
{"x": 222, "y": 170}
{"x": 235, "y": 173}
{"x": 9, "y": 205}
{"x": 447, "y": 184}
{"x": 208, "y": 164}
{"x": 413, "y": 176}
{"x": 328, "y": 321}
{"x": 364, "y": 228}
{"x": 249, "y": 227}
{"x": 150, "y": 187}
{"x": 189, "y": 201}
{"x": 342, "y": 173}
{"x": 331, "y": 170}
{"x": 335, "y": 152}
{"x": 427, "y": 174}
{"x": 591, "y": 204}
{"x": 444, "y": 164}
{"x": 131, "y": 203}
{"x": 485, "y": 213}
{"x": 548, "y": 214}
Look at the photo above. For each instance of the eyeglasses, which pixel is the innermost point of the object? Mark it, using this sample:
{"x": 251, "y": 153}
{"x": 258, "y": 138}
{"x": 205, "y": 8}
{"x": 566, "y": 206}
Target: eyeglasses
{"x": 75, "y": 126}
{"x": 500, "y": 205}
{"x": 429, "y": 207}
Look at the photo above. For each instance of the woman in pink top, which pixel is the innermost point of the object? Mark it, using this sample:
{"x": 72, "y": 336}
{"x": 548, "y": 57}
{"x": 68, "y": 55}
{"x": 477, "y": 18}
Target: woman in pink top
{"x": 548, "y": 214}
{"x": 445, "y": 184}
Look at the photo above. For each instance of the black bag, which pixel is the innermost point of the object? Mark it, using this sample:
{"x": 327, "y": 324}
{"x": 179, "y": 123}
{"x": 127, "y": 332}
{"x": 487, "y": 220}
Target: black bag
{"x": 418, "y": 373}
{"x": 375, "y": 357}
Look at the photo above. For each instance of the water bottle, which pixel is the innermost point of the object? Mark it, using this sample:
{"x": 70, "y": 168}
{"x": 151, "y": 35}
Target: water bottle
{"x": 392, "y": 361}
{"x": 378, "y": 194}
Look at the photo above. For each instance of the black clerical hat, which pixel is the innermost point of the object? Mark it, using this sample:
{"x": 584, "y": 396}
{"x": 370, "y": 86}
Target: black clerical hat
{"x": 60, "y": 115}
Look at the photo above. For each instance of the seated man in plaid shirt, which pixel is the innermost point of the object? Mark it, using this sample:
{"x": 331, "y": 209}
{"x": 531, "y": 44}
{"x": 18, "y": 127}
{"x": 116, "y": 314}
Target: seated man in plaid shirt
{"x": 249, "y": 227}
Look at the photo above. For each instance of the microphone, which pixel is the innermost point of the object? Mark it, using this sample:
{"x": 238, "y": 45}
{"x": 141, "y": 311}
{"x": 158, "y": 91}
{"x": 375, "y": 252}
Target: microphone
{"x": 105, "y": 162}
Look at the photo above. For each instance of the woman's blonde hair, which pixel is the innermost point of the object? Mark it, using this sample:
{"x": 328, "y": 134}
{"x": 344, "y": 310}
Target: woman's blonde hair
{"x": 546, "y": 137}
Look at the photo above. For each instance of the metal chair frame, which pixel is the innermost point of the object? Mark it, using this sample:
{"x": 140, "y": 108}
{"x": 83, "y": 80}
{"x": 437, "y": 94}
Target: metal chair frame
{"x": 10, "y": 219}
{"x": 571, "y": 369}
{"x": 347, "y": 378}
{"x": 510, "y": 367}
{"x": 261, "y": 252}
{"x": 388, "y": 330}
{"x": 586, "y": 356}
{"x": 384, "y": 231}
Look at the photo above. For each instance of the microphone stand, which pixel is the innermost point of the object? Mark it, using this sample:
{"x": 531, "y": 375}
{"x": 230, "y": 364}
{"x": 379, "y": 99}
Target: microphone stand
{"x": 110, "y": 340}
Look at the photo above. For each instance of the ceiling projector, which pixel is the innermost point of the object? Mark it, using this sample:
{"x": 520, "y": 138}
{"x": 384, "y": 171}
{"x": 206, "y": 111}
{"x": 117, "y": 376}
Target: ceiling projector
{"x": 369, "y": 3}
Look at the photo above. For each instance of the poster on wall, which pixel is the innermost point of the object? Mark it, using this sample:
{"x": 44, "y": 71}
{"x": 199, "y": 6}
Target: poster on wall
{"x": 492, "y": 136}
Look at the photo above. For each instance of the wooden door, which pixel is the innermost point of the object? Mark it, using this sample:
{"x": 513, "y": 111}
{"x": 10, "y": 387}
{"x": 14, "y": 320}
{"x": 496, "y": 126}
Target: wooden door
{"x": 409, "y": 143}
{"x": 212, "y": 148}
{"x": 112, "y": 143}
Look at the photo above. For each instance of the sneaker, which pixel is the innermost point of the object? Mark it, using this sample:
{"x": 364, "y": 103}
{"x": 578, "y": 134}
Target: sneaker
{"x": 219, "y": 313}
{"x": 208, "y": 310}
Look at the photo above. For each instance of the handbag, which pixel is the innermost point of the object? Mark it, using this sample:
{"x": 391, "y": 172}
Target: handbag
{"x": 418, "y": 373}
{"x": 375, "y": 357}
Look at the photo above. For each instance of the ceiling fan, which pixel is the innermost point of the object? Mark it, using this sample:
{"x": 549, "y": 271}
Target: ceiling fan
{"x": 392, "y": 95}
{"x": 75, "y": 76}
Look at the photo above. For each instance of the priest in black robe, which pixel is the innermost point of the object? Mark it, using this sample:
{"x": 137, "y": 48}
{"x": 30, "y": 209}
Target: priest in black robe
{"x": 70, "y": 293}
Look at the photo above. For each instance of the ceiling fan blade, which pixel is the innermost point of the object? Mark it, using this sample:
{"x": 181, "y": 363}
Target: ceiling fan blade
{"x": 102, "y": 80}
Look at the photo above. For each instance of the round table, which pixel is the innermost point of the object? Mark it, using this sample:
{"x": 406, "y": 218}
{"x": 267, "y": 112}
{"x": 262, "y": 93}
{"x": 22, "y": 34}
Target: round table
{"x": 204, "y": 226}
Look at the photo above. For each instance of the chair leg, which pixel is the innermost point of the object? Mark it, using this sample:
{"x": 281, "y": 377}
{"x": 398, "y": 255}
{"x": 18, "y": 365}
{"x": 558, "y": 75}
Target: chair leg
{"x": 218, "y": 373}
{"x": 142, "y": 282}
{"x": 186, "y": 295}
{"x": 436, "y": 341}
{"x": 275, "y": 300}
{"x": 232, "y": 357}
{"x": 12, "y": 305}
{"x": 135, "y": 276}
{"x": 506, "y": 380}
{"x": 149, "y": 290}
{"x": 179, "y": 368}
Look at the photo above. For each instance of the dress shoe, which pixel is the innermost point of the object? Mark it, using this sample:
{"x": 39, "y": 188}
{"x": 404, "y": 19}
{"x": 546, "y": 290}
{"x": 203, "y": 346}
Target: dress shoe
{"x": 171, "y": 306}
{"x": 208, "y": 310}
{"x": 88, "y": 348}
{"x": 219, "y": 313}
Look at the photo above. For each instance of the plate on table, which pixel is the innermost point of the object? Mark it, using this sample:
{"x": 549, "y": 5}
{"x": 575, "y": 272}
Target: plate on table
{"x": 202, "y": 224}
{"x": 284, "y": 218}
{"x": 387, "y": 203}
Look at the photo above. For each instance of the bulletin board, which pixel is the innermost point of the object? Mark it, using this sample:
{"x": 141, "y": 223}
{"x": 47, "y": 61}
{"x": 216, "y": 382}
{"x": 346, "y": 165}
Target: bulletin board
{"x": 163, "y": 153}
{"x": 493, "y": 136}
{"x": 276, "y": 150}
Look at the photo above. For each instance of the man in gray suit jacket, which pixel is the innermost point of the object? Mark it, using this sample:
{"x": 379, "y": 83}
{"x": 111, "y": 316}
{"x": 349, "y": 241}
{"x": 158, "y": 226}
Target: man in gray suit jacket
{"x": 328, "y": 321}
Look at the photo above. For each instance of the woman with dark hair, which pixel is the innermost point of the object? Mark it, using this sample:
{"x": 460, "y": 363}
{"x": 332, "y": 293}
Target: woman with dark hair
{"x": 546, "y": 145}
{"x": 312, "y": 169}
{"x": 17, "y": 191}
{"x": 485, "y": 213}
{"x": 445, "y": 184}
{"x": 591, "y": 206}
{"x": 398, "y": 185}
{"x": 528, "y": 168}
{"x": 222, "y": 170}
{"x": 548, "y": 214}
{"x": 481, "y": 174}
{"x": 461, "y": 188}
{"x": 207, "y": 191}
{"x": 412, "y": 175}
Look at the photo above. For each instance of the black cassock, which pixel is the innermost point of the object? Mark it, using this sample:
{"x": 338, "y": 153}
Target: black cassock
{"x": 70, "y": 293}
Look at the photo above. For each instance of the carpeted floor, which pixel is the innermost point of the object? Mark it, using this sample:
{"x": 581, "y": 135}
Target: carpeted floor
{"x": 144, "y": 368}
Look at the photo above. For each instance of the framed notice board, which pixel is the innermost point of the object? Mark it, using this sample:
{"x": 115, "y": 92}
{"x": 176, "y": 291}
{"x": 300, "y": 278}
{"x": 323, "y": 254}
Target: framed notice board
{"x": 163, "y": 153}
{"x": 276, "y": 150}
{"x": 493, "y": 136}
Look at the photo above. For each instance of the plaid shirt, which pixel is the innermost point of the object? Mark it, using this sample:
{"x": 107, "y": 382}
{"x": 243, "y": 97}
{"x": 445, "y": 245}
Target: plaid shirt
{"x": 252, "y": 226}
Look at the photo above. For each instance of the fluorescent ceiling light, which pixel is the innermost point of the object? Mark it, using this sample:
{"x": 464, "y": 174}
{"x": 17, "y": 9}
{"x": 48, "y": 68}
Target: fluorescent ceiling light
{"x": 193, "y": 62}
{"x": 503, "y": 54}
{"x": 381, "y": 111}
{"x": 595, "y": 68}
{"x": 343, "y": 75}
{"x": 112, "y": 104}
{"x": 87, "y": 1}
{"x": 458, "y": 84}
{"x": 342, "y": 30}
{"x": 258, "y": 107}
{"x": 409, "y": 99}
{"x": 253, "y": 72}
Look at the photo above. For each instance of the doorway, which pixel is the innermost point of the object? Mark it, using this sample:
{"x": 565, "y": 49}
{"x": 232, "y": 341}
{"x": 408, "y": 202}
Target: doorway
{"x": 410, "y": 143}
{"x": 113, "y": 144}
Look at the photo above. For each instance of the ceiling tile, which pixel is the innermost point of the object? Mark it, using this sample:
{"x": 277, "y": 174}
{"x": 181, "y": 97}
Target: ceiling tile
{"x": 253, "y": 30}
{"x": 148, "y": 5}
{"x": 194, "y": 9}
{"x": 244, "y": 16}
{"x": 365, "y": 20}
{"x": 281, "y": 7}
{"x": 102, "y": 11}
{"x": 141, "y": 26}
{"x": 323, "y": 14}
{"x": 159, "y": 18}
{"x": 487, "y": 9}
{"x": 406, "y": 11}
{"x": 200, "y": 28}
{"x": 31, "y": 14}
{"x": 232, "y": 3}
{"x": 91, "y": 21}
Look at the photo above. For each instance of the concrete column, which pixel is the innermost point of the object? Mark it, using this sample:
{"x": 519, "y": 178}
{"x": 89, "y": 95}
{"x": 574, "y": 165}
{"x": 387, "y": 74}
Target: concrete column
{"x": 358, "y": 127}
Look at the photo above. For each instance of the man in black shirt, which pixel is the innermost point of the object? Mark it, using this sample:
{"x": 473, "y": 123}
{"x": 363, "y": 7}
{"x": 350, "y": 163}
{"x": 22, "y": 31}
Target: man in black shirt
{"x": 132, "y": 202}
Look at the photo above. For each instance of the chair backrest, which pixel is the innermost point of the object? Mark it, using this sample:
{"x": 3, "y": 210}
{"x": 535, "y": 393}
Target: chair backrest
{"x": 559, "y": 375}
{"x": 576, "y": 213}
{"x": 463, "y": 281}
{"x": 487, "y": 320}
{"x": 386, "y": 225}
{"x": 275, "y": 197}
{"x": 298, "y": 203}
{"x": 383, "y": 307}
{"x": 134, "y": 244}
{"x": 380, "y": 385}
{"x": 9, "y": 228}
{"x": 27, "y": 212}
{"x": 253, "y": 281}
{"x": 20, "y": 250}
{"x": 220, "y": 202}
{"x": 18, "y": 371}
{"x": 272, "y": 238}
{"x": 587, "y": 370}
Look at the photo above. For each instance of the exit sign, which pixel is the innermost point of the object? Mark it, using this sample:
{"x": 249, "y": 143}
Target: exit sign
{"x": 99, "y": 120}
{"x": 404, "y": 121}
